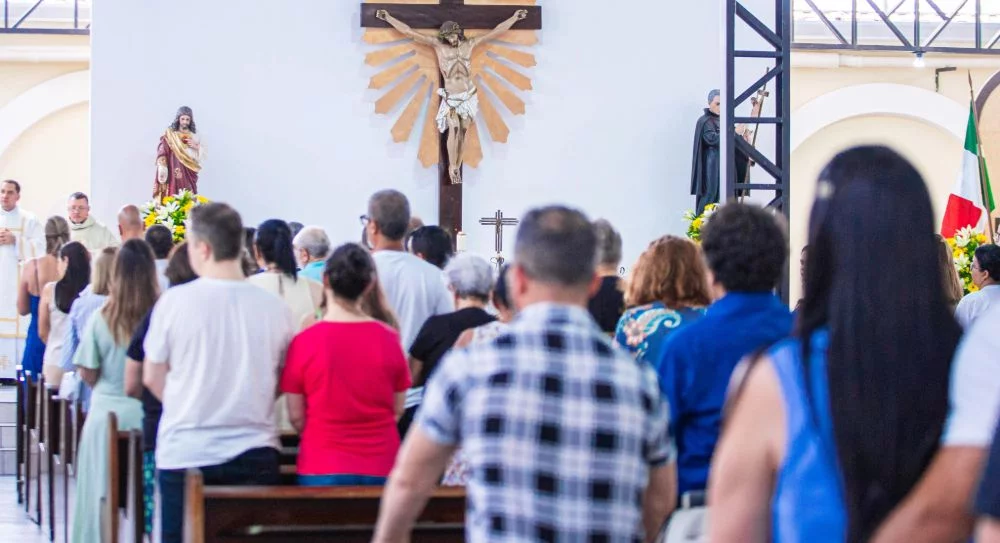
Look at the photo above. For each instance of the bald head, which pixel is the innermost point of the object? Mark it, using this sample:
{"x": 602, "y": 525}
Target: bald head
{"x": 130, "y": 224}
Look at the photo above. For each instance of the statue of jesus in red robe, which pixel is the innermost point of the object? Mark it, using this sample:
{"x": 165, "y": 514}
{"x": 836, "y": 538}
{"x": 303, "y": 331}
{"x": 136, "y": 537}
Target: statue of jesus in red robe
{"x": 178, "y": 157}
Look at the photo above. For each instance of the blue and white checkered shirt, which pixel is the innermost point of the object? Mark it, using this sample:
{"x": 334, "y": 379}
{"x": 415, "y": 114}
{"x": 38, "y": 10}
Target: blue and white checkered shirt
{"x": 560, "y": 430}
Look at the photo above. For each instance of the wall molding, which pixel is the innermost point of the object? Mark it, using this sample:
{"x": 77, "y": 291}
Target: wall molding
{"x": 878, "y": 99}
{"x": 40, "y": 101}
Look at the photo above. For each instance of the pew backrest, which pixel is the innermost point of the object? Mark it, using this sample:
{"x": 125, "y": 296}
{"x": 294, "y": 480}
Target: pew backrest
{"x": 261, "y": 514}
{"x": 124, "y": 482}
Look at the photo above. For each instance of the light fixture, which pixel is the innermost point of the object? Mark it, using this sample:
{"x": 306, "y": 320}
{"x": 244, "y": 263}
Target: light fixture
{"x": 919, "y": 62}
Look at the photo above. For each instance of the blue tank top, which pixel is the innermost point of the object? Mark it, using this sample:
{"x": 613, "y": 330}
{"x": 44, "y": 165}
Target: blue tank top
{"x": 808, "y": 503}
{"x": 34, "y": 349}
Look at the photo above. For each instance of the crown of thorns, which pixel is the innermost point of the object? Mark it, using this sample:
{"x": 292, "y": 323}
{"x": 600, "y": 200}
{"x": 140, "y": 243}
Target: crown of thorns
{"x": 450, "y": 28}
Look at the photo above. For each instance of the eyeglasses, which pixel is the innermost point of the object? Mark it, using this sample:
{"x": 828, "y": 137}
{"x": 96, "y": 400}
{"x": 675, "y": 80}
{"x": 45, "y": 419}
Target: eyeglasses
{"x": 365, "y": 219}
{"x": 79, "y": 208}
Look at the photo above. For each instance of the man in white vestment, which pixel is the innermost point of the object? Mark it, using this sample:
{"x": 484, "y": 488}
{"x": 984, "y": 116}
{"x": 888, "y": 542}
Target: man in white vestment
{"x": 22, "y": 237}
{"x": 83, "y": 228}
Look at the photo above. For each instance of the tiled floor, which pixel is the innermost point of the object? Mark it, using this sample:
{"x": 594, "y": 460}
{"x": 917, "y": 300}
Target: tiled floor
{"x": 14, "y": 523}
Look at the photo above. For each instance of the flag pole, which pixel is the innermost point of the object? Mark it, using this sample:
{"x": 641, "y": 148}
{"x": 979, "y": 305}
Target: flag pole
{"x": 982, "y": 163}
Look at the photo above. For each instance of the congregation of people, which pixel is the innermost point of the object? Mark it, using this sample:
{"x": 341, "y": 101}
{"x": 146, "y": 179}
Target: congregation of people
{"x": 684, "y": 400}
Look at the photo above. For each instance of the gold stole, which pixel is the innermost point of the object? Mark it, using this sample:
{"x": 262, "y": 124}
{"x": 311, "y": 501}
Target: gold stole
{"x": 180, "y": 150}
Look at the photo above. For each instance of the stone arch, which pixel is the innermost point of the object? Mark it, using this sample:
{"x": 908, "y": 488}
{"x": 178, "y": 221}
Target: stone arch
{"x": 40, "y": 101}
{"x": 878, "y": 99}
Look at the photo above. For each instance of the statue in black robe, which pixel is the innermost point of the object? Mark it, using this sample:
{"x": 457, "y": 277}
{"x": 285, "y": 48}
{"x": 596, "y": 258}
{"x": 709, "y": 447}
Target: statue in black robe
{"x": 705, "y": 168}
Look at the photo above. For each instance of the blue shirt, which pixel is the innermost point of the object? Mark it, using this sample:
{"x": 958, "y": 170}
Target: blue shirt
{"x": 79, "y": 315}
{"x": 314, "y": 271}
{"x": 696, "y": 364}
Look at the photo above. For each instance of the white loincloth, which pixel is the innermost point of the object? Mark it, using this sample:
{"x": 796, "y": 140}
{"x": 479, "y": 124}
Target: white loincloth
{"x": 465, "y": 105}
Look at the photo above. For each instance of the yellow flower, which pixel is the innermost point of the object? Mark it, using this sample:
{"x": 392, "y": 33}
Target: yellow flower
{"x": 187, "y": 207}
{"x": 697, "y": 223}
{"x": 179, "y": 229}
{"x": 981, "y": 238}
{"x": 202, "y": 199}
{"x": 956, "y": 253}
{"x": 168, "y": 199}
{"x": 973, "y": 288}
{"x": 951, "y": 241}
{"x": 150, "y": 220}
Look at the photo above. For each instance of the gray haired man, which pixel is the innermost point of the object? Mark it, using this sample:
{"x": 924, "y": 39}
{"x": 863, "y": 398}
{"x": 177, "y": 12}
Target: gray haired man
{"x": 312, "y": 247}
{"x": 551, "y": 388}
{"x": 414, "y": 288}
{"x": 608, "y": 304}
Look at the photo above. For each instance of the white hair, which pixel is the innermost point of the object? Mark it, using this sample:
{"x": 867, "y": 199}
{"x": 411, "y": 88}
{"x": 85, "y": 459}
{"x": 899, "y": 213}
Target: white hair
{"x": 470, "y": 276}
{"x": 314, "y": 240}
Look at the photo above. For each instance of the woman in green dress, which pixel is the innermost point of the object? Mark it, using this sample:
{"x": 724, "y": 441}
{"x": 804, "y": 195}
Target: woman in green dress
{"x": 100, "y": 361}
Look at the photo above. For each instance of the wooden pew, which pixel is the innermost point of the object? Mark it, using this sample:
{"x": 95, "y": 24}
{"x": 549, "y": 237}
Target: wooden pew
{"x": 49, "y": 449}
{"x": 21, "y": 429}
{"x": 262, "y": 514}
{"x": 33, "y": 442}
{"x": 67, "y": 448}
{"x": 288, "y": 456}
{"x": 58, "y": 446}
{"x": 124, "y": 468}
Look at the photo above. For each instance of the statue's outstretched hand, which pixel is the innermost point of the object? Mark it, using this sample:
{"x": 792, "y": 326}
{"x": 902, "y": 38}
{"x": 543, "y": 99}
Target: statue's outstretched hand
{"x": 521, "y": 14}
{"x": 382, "y": 14}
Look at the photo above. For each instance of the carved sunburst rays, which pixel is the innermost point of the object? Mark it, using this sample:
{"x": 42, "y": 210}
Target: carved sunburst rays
{"x": 409, "y": 70}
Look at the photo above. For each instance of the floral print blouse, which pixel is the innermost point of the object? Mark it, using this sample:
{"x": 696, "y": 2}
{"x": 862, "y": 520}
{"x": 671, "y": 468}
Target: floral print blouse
{"x": 643, "y": 330}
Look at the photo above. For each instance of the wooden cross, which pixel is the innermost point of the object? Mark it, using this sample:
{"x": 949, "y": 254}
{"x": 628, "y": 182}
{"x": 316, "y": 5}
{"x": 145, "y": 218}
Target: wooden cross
{"x": 498, "y": 221}
{"x": 432, "y": 16}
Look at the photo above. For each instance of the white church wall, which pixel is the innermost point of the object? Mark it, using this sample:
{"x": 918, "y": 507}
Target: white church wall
{"x": 289, "y": 129}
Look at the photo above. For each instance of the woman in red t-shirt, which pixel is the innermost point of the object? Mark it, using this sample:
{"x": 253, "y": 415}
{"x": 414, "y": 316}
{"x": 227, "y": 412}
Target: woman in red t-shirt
{"x": 345, "y": 379}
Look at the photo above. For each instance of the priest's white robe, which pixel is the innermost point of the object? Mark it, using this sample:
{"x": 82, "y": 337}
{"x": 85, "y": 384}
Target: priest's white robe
{"x": 30, "y": 236}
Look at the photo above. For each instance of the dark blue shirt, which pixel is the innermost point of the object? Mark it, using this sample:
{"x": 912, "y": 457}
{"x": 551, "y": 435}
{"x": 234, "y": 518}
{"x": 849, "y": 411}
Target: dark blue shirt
{"x": 694, "y": 370}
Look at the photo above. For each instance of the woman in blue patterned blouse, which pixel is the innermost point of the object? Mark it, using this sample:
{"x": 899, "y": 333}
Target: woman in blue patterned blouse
{"x": 668, "y": 289}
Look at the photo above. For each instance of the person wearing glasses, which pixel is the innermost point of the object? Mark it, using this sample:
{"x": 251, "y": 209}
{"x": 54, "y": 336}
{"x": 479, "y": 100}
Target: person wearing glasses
{"x": 93, "y": 235}
{"x": 415, "y": 289}
{"x": 986, "y": 278}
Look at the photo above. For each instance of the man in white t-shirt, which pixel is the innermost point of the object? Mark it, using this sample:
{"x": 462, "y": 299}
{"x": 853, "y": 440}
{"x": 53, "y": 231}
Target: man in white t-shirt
{"x": 939, "y": 508}
{"x": 214, "y": 351}
{"x": 415, "y": 290}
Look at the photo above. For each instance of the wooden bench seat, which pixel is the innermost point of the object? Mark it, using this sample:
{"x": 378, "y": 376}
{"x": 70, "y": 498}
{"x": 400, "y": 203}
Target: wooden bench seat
{"x": 261, "y": 514}
{"x": 124, "y": 482}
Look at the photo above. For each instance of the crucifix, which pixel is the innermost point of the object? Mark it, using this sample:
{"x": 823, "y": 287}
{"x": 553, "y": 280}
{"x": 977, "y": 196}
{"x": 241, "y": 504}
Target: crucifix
{"x": 459, "y": 95}
{"x": 498, "y": 221}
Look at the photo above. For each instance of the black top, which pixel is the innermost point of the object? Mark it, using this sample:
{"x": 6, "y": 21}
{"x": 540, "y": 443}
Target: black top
{"x": 988, "y": 498}
{"x": 439, "y": 334}
{"x": 151, "y": 407}
{"x": 608, "y": 304}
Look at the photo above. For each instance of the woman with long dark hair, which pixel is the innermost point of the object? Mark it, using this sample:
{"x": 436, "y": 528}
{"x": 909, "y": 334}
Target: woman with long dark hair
{"x": 835, "y": 426}
{"x": 100, "y": 361}
{"x": 272, "y": 247}
{"x": 56, "y": 303}
{"x": 178, "y": 272}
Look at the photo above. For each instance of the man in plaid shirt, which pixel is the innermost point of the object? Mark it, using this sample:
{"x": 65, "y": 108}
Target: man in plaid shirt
{"x": 566, "y": 437}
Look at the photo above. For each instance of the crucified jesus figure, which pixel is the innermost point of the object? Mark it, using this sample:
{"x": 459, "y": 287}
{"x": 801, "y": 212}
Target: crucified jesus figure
{"x": 459, "y": 103}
